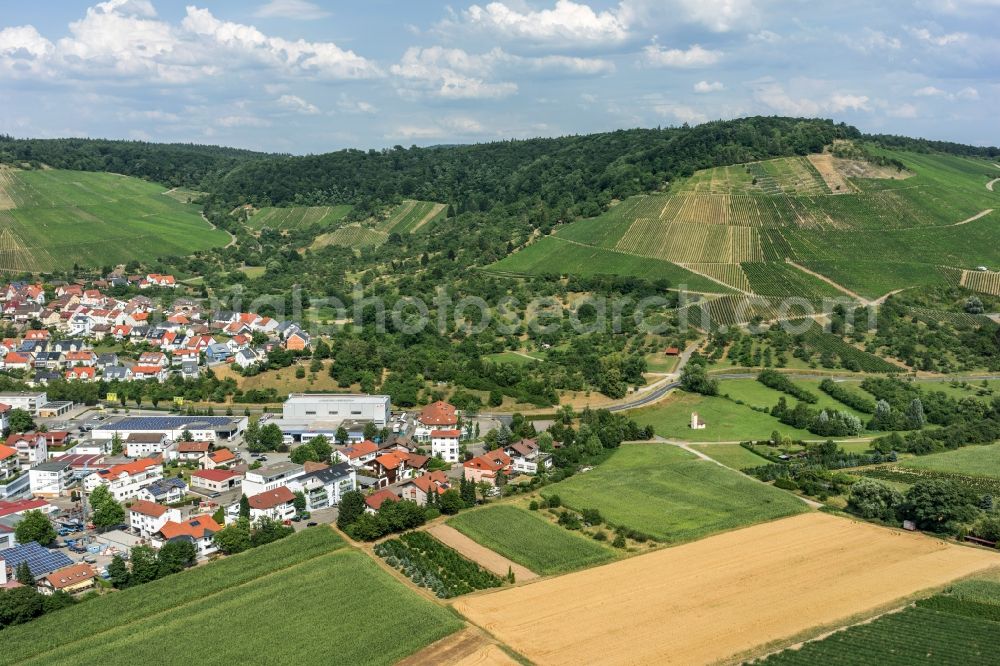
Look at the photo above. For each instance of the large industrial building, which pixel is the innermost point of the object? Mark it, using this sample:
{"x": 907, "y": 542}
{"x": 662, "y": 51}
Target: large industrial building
{"x": 26, "y": 400}
{"x": 306, "y": 415}
{"x": 202, "y": 428}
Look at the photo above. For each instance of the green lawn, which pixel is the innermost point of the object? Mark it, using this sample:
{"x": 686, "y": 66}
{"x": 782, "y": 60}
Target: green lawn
{"x": 510, "y": 357}
{"x": 269, "y": 605}
{"x": 530, "y": 540}
{"x": 731, "y": 455}
{"x": 754, "y": 393}
{"x": 63, "y": 218}
{"x": 726, "y": 421}
{"x": 672, "y": 495}
{"x": 981, "y": 460}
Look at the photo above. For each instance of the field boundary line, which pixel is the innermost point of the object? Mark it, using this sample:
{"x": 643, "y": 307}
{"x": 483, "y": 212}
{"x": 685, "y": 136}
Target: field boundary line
{"x": 467, "y": 547}
{"x": 976, "y": 216}
{"x": 829, "y": 281}
{"x": 330, "y": 553}
{"x": 687, "y": 267}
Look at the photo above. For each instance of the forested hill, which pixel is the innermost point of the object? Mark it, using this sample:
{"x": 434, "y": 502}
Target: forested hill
{"x": 174, "y": 164}
{"x": 570, "y": 176}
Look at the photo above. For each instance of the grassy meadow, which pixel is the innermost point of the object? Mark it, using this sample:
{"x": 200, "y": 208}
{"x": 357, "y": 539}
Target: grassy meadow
{"x": 981, "y": 460}
{"x": 672, "y": 495}
{"x": 530, "y": 540}
{"x": 61, "y": 218}
{"x": 253, "y": 589}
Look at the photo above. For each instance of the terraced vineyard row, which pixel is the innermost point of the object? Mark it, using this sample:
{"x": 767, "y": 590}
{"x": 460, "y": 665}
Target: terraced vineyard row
{"x": 958, "y": 319}
{"x": 729, "y": 274}
{"x": 779, "y": 279}
{"x": 691, "y": 243}
{"x": 985, "y": 282}
{"x": 729, "y": 311}
{"x": 298, "y": 216}
{"x": 352, "y": 235}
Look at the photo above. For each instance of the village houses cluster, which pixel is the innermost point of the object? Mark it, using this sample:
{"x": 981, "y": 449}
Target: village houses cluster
{"x": 181, "y": 339}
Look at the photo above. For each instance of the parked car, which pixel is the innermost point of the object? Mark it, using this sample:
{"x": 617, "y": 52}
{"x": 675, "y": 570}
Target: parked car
{"x": 312, "y": 524}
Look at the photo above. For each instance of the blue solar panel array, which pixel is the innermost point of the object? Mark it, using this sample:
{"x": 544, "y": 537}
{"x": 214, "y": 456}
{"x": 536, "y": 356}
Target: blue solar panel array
{"x": 40, "y": 560}
{"x": 166, "y": 422}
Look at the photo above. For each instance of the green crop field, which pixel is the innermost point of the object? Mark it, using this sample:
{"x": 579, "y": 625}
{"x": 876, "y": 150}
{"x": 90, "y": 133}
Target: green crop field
{"x": 960, "y": 626}
{"x": 731, "y": 455}
{"x": 672, "y": 495}
{"x": 61, "y": 218}
{"x": 530, "y": 540}
{"x": 298, "y": 216}
{"x": 555, "y": 256}
{"x": 726, "y": 421}
{"x": 876, "y": 231}
{"x": 755, "y": 394}
{"x": 971, "y": 460}
{"x": 253, "y": 589}
{"x": 411, "y": 216}
{"x": 408, "y": 217}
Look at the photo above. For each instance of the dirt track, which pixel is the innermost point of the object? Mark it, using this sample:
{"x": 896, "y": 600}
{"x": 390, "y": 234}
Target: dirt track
{"x": 486, "y": 558}
{"x": 722, "y": 596}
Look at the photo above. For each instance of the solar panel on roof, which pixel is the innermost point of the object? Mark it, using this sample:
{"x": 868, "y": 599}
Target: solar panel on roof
{"x": 40, "y": 560}
{"x": 166, "y": 422}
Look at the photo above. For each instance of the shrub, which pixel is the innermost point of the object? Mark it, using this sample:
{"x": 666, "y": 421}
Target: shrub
{"x": 592, "y": 516}
{"x": 619, "y": 541}
{"x": 533, "y": 506}
{"x": 786, "y": 484}
{"x": 600, "y": 535}
{"x": 554, "y": 501}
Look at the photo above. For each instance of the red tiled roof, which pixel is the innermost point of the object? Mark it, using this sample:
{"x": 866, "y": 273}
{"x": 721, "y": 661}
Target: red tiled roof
{"x": 148, "y": 508}
{"x": 492, "y": 460}
{"x": 357, "y": 450}
{"x": 17, "y": 506}
{"x": 7, "y": 451}
{"x": 446, "y": 433}
{"x": 437, "y": 480}
{"x": 196, "y": 527}
{"x": 222, "y": 456}
{"x": 70, "y": 575}
{"x": 215, "y": 474}
{"x": 376, "y": 500}
{"x": 271, "y": 498}
{"x": 438, "y": 413}
{"x": 193, "y": 447}
{"x": 130, "y": 468}
{"x": 392, "y": 459}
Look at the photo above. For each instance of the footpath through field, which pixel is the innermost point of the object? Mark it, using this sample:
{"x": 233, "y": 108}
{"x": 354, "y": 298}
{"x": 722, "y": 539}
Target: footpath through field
{"x": 723, "y": 596}
{"x": 830, "y": 282}
{"x": 481, "y": 555}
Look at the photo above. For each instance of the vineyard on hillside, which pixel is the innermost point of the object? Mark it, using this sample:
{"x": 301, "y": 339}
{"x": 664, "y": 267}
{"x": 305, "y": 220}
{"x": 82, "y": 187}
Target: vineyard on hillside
{"x": 986, "y": 282}
{"x": 297, "y": 216}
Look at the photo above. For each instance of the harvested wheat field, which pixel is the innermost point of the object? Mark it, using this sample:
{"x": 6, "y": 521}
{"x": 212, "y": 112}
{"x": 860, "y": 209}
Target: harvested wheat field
{"x": 469, "y": 647}
{"x": 713, "y": 599}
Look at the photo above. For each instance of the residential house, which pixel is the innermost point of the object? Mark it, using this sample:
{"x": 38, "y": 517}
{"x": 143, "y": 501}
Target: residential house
{"x": 271, "y": 476}
{"x": 444, "y": 444}
{"x": 374, "y": 501}
{"x": 81, "y": 374}
{"x": 117, "y": 373}
{"x": 51, "y": 478}
{"x": 277, "y": 504}
{"x": 324, "y": 487}
{"x": 142, "y": 444}
{"x": 17, "y": 361}
{"x": 198, "y": 530}
{"x": 218, "y": 353}
{"x": 164, "y": 491}
{"x": 9, "y": 464}
{"x": 297, "y": 340}
{"x": 438, "y": 415}
{"x": 488, "y": 466}
{"x": 190, "y": 451}
{"x": 107, "y": 360}
{"x": 219, "y": 458}
{"x": 153, "y": 358}
{"x": 357, "y": 455}
{"x": 215, "y": 480}
{"x": 50, "y": 360}
{"x": 127, "y": 479}
{"x": 156, "y": 372}
{"x": 419, "y": 488}
{"x": 73, "y": 579}
{"x": 32, "y": 448}
{"x": 85, "y": 358}
{"x": 527, "y": 457}
{"x": 190, "y": 370}
{"x": 245, "y": 358}
{"x": 147, "y": 518}
{"x": 394, "y": 466}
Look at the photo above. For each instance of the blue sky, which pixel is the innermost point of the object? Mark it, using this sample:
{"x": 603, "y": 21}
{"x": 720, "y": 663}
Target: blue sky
{"x": 306, "y": 76}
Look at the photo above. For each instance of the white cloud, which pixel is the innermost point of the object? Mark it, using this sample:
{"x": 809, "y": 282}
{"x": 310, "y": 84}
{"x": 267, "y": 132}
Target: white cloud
{"x": 441, "y": 128}
{"x": 765, "y": 37}
{"x": 299, "y": 10}
{"x": 125, "y": 40}
{"x": 450, "y": 73}
{"x": 968, "y": 93}
{"x": 872, "y": 41}
{"x": 719, "y": 15}
{"x": 348, "y": 105}
{"x": 655, "y": 55}
{"x": 946, "y": 39}
{"x": 297, "y": 104}
{"x": 716, "y": 15}
{"x": 703, "y": 87}
{"x": 905, "y": 110}
{"x": 242, "y": 120}
{"x": 567, "y": 23}
{"x": 679, "y": 112}
{"x": 773, "y": 95}
{"x": 456, "y": 74}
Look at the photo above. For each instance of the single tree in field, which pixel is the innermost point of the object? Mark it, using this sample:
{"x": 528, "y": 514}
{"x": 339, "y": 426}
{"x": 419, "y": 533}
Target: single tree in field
{"x": 352, "y": 505}
{"x": 175, "y": 556}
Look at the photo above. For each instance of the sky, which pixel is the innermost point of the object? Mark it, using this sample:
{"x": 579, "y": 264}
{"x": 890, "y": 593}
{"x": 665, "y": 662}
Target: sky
{"x": 310, "y": 76}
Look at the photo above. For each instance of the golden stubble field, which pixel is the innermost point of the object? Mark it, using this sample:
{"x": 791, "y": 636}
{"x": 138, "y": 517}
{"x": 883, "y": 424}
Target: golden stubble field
{"x": 722, "y": 596}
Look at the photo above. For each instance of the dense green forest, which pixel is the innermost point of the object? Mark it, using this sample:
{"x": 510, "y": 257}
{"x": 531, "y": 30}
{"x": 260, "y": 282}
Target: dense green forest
{"x": 175, "y": 164}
